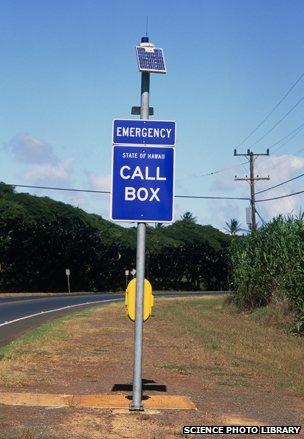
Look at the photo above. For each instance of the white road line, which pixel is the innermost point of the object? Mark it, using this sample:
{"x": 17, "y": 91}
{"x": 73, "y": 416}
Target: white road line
{"x": 57, "y": 309}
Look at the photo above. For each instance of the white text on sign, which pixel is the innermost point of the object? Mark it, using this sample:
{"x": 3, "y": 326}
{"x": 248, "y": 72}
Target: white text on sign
{"x": 141, "y": 194}
{"x": 161, "y": 133}
{"x": 126, "y": 173}
{"x": 143, "y": 155}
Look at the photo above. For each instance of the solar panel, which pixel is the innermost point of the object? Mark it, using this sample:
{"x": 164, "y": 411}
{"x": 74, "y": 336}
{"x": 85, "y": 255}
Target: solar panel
{"x": 150, "y": 59}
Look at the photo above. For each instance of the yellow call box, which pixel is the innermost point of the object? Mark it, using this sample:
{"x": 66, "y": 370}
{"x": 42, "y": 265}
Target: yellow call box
{"x": 131, "y": 296}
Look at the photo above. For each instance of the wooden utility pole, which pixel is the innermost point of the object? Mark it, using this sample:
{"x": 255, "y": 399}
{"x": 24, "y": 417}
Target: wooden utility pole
{"x": 251, "y": 157}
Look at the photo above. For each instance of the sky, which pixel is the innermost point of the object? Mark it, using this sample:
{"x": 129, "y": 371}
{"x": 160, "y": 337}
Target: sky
{"x": 69, "y": 68}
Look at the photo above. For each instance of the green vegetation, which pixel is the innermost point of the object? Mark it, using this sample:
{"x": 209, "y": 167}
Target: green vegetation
{"x": 268, "y": 268}
{"x": 51, "y": 330}
{"x": 40, "y": 237}
{"x": 199, "y": 337}
{"x": 233, "y": 227}
{"x": 205, "y": 337}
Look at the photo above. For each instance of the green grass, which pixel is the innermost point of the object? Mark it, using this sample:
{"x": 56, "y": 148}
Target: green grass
{"x": 183, "y": 369}
{"x": 233, "y": 348}
{"x": 53, "y": 329}
{"x": 201, "y": 336}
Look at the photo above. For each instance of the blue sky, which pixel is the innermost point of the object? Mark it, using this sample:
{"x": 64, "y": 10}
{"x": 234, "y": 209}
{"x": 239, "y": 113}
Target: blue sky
{"x": 69, "y": 67}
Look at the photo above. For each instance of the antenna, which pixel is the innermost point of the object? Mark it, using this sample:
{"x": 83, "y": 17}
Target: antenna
{"x": 147, "y": 24}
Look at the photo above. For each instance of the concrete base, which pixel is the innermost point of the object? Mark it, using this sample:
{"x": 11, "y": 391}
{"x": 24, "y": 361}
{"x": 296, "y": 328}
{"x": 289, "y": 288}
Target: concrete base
{"x": 118, "y": 401}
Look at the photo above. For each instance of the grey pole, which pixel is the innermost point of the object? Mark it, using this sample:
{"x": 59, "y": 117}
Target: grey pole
{"x": 140, "y": 274}
{"x": 252, "y": 194}
{"x": 252, "y": 179}
{"x": 69, "y": 289}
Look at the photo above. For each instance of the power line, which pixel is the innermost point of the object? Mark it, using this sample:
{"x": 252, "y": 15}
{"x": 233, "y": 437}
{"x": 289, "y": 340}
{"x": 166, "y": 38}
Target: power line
{"x": 297, "y": 130}
{"x": 108, "y": 192}
{"x": 280, "y": 184}
{"x": 223, "y": 169}
{"x": 292, "y": 134}
{"x": 227, "y": 168}
{"x": 59, "y": 188}
{"x": 279, "y": 121}
{"x": 280, "y": 197}
{"x": 176, "y": 196}
{"x": 298, "y": 151}
{"x": 266, "y": 117}
{"x": 271, "y": 111}
{"x": 295, "y": 133}
{"x": 217, "y": 171}
{"x": 211, "y": 198}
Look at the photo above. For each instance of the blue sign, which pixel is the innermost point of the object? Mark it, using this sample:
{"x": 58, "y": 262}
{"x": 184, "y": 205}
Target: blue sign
{"x": 143, "y": 132}
{"x": 142, "y": 184}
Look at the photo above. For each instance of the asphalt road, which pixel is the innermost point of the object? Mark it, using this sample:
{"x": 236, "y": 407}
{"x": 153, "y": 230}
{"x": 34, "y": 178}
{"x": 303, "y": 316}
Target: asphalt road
{"x": 19, "y": 314}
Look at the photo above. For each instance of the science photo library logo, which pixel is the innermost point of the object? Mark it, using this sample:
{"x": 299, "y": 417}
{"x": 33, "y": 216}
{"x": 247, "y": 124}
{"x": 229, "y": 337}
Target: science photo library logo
{"x": 241, "y": 429}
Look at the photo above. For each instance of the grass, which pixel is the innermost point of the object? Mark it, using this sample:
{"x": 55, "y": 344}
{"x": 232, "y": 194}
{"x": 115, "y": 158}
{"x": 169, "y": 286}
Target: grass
{"x": 277, "y": 314}
{"x": 191, "y": 344}
{"x": 183, "y": 369}
{"x": 54, "y": 329}
{"x": 195, "y": 336}
{"x": 37, "y": 345}
{"x": 232, "y": 348}
{"x": 26, "y": 434}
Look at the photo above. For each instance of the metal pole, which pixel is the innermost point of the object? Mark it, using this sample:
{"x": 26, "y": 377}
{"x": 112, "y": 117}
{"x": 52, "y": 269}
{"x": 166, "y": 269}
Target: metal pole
{"x": 252, "y": 193}
{"x": 68, "y": 277}
{"x": 140, "y": 274}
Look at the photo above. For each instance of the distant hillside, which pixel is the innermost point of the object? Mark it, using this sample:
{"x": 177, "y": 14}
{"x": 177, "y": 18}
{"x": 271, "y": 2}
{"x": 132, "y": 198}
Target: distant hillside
{"x": 40, "y": 237}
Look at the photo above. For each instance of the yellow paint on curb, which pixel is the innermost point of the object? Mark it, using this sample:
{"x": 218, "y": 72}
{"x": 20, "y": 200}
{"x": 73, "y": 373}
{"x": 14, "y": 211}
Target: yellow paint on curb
{"x": 118, "y": 401}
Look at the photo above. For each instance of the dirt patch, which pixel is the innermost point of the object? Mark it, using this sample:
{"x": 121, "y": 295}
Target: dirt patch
{"x": 229, "y": 365}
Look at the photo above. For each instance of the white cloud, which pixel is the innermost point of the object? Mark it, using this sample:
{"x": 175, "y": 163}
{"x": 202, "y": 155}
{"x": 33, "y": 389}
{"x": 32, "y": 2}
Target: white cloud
{"x": 28, "y": 149}
{"x": 281, "y": 168}
{"x": 48, "y": 173}
{"x": 223, "y": 183}
{"x": 40, "y": 164}
{"x": 219, "y": 212}
{"x": 99, "y": 181}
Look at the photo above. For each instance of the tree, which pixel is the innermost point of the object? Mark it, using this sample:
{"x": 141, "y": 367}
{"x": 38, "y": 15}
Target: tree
{"x": 6, "y": 189}
{"x": 233, "y": 227}
{"x": 188, "y": 217}
{"x": 186, "y": 255}
{"x": 159, "y": 225}
{"x": 40, "y": 237}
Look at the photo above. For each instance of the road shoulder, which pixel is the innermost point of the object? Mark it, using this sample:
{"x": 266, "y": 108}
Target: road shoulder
{"x": 189, "y": 350}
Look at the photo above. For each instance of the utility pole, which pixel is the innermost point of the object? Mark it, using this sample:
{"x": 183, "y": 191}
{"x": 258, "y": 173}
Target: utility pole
{"x": 251, "y": 157}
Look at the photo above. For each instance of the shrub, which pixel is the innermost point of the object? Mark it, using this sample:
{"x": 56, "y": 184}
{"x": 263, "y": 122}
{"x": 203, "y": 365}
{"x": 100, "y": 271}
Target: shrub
{"x": 268, "y": 265}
